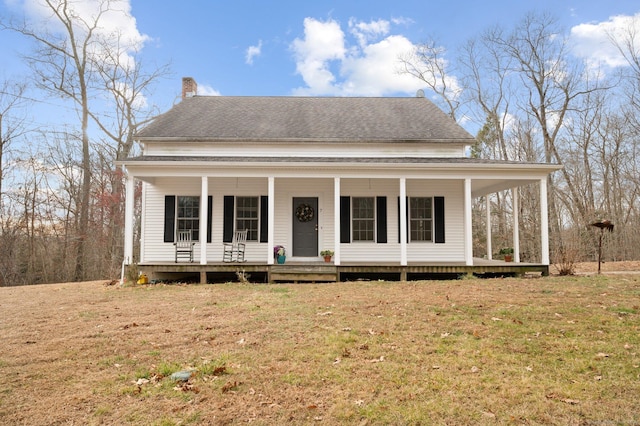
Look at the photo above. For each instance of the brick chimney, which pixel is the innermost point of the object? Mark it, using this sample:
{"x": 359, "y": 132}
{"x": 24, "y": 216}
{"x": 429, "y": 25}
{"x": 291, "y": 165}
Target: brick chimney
{"x": 189, "y": 87}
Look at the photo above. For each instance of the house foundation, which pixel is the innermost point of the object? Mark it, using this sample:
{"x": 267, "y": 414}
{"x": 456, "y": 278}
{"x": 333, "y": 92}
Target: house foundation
{"x": 301, "y": 272}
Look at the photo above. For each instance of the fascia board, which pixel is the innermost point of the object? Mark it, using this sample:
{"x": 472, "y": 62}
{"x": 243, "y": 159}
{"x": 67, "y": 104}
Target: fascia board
{"x": 174, "y": 140}
{"x": 518, "y": 172}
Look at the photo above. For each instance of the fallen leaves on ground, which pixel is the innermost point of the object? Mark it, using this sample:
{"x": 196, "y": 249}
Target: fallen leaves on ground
{"x": 557, "y": 397}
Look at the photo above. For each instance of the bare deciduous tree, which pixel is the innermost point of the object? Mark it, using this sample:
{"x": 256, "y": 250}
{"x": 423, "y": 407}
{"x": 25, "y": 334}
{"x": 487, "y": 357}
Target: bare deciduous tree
{"x": 551, "y": 86}
{"x": 627, "y": 41}
{"x": 11, "y": 97}
{"x": 62, "y": 64}
{"x": 74, "y": 57}
{"x": 428, "y": 64}
{"x": 128, "y": 84}
{"x": 486, "y": 79}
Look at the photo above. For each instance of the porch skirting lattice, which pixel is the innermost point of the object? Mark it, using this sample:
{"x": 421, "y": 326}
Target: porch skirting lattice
{"x": 328, "y": 272}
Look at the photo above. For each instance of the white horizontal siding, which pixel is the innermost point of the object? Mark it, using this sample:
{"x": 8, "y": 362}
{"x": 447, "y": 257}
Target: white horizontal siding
{"x": 154, "y": 249}
{"x": 286, "y": 190}
{"x": 306, "y": 149}
{"x": 451, "y": 250}
{"x": 361, "y": 251}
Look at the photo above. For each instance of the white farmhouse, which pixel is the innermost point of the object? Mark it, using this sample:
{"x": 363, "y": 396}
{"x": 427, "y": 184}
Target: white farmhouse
{"x": 384, "y": 183}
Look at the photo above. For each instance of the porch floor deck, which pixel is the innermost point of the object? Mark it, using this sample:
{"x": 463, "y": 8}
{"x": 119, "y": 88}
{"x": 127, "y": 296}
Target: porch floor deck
{"x": 320, "y": 271}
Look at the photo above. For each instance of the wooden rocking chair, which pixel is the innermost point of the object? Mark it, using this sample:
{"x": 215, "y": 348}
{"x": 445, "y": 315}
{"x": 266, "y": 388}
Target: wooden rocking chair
{"x": 234, "y": 251}
{"x": 184, "y": 246}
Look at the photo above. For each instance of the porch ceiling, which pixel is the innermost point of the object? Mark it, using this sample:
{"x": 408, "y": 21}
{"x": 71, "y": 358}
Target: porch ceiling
{"x": 482, "y": 187}
{"x": 487, "y": 176}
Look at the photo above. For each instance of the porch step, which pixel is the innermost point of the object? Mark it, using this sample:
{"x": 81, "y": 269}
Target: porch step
{"x": 304, "y": 273}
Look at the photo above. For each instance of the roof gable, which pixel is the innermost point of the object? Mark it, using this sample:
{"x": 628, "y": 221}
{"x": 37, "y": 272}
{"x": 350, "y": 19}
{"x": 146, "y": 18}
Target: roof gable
{"x": 306, "y": 118}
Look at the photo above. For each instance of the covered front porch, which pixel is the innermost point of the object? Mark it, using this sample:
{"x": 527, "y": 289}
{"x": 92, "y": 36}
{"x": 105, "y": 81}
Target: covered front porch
{"x": 449, "y": 186}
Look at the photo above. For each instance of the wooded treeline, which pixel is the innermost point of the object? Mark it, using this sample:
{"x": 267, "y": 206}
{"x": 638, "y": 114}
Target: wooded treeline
{"x": 537, "y": 102}
{"x": 61, "y": 195}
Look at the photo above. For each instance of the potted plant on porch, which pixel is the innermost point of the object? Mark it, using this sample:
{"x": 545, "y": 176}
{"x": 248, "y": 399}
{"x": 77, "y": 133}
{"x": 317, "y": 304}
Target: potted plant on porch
{"x": 507, "y": 252}
{"x": 327, "y": 254}
{"x": 279, "y": 254}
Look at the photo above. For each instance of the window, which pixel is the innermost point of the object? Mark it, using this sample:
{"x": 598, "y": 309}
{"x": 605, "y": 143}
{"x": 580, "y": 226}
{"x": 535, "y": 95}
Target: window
{"x": 421, "y": 219}
{"x": 363, "y": 218}
{"x": 181, "y": 213}
{"x": 188, "y": 216}
{"x": 247, "y": 216}
{"x": 250, "y": 213}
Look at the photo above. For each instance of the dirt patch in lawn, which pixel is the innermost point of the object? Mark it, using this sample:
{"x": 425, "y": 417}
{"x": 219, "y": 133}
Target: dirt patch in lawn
{"x": 553, "y": 350}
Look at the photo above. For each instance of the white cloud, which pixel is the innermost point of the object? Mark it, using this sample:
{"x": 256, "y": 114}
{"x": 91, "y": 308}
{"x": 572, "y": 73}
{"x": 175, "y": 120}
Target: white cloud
{"x": 323, "y": 42}
{"x": 367, "y": 31}
{"x": 374, "y": 71}
{"x": 592, "y": 41}
{"x": 115, "y": 39}
{"x": 206, "y": 90}
{"x": 402, "y": 21}
{"x": 252, "y": 52}
{"x": 365, "y": 64}
{"x": 117, "y": 26}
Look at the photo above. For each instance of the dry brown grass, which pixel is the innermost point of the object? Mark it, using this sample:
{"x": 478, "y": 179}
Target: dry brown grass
{"x": 557, "y": 350}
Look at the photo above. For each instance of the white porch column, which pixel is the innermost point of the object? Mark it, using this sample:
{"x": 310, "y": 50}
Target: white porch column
{"x": 488, "y": 220}
{"x": 336, "y": 221}
{"x": 544, "y": 222}
{"x": 516, "y": 224}
{"x": 468, "y": 236}
{"x": 128, "y": 220}
{"x": 403, "y": 221}
{"x": 271, "y": 215}
{"x": 204, "y": 207}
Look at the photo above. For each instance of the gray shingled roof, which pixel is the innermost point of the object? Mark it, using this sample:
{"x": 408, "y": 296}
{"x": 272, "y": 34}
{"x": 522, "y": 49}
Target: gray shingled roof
{"x": 306, "y": 118}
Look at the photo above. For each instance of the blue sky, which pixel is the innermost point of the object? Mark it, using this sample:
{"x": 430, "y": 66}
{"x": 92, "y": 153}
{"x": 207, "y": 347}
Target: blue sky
{"x": 342, "y": 48}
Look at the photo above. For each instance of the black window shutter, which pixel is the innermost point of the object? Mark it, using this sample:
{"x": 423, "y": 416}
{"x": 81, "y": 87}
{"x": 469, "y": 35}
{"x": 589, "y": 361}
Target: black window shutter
{"x": 381, "y": 219}
{"x": 169, "y": 218}
{"x": 209, "y": 216}
{"x": 345, "y": 219}
{"x": 438, "y": 210}
{"x": 227, "y": 231}
{"x": 264, "y": 219}
{"x": 408, "y": 223}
